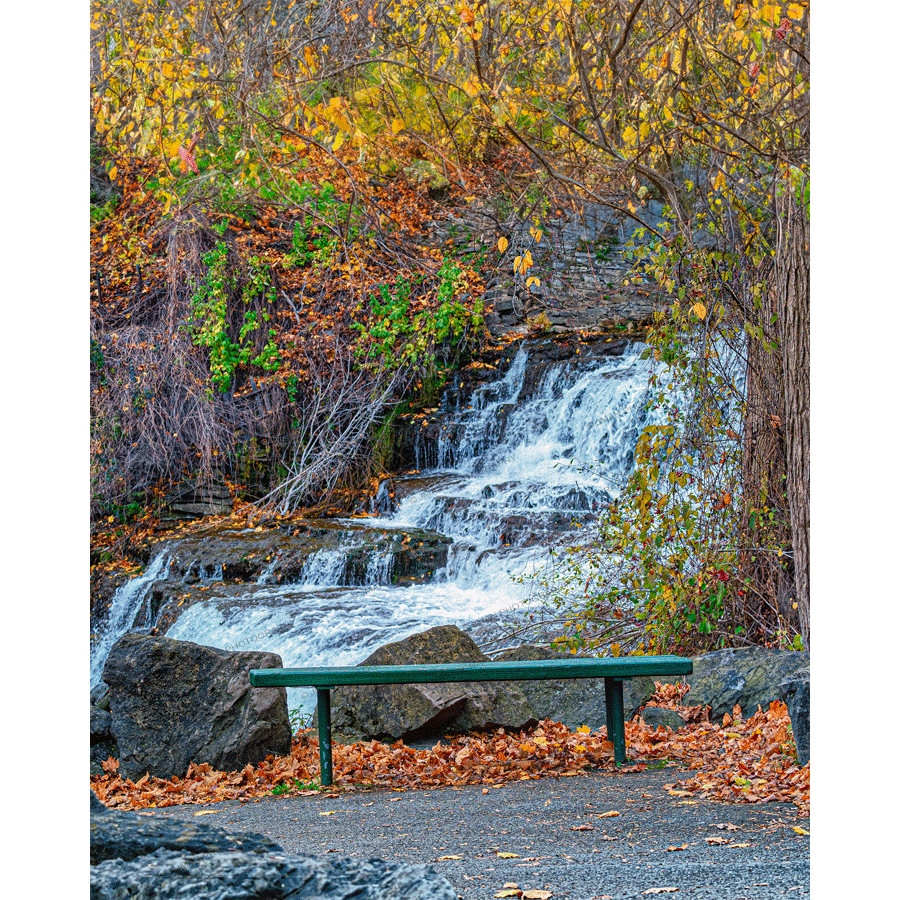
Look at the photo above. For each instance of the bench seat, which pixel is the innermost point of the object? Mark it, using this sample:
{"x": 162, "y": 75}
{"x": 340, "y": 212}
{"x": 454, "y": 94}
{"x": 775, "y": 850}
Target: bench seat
{"x": 613, "y": 671}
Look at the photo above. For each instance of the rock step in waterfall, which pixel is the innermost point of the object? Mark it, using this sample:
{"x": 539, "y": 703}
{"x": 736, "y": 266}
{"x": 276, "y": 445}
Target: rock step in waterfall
{"x": 516, "y": 456}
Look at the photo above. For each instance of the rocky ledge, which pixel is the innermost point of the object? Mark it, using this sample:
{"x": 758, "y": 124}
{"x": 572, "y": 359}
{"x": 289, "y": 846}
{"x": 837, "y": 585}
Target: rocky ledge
{"x": 154, "y": 859}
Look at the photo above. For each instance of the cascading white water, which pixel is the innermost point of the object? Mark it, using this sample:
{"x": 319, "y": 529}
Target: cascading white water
{"x": 511, "y": 472}
{"x": 126, "y": 606}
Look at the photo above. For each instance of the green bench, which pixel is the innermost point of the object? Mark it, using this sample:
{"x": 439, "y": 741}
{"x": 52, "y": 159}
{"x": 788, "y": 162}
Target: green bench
{"x": 613, "y": 671}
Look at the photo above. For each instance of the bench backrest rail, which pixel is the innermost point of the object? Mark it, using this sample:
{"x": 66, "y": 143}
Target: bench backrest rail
{"x": 515, "y": 670}
{"x": 612, "y": 671}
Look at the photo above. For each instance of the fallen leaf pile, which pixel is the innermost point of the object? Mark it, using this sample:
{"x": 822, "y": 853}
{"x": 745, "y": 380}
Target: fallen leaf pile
{"x": 741, "y": 761}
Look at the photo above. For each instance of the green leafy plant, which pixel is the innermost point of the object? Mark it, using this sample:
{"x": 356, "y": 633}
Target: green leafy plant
{"x": 211, "y": 320}
{"x": 397, "y": 336}
{"x": 297, "y": 785}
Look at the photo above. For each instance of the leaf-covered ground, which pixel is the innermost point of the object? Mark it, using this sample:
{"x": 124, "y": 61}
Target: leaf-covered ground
{"x": 742, "y": 761}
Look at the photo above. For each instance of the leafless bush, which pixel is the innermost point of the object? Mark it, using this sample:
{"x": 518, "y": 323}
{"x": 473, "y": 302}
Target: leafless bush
{"x": 335, "y": 414}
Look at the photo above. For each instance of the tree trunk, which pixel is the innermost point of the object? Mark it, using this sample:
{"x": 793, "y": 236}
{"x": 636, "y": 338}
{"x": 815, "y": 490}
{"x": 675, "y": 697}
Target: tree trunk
{"x": 767, "y": 581}
{"x": 792, "y": 298}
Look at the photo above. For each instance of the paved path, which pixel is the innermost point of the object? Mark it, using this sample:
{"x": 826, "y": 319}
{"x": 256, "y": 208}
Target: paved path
{"x": 564, "y": 843}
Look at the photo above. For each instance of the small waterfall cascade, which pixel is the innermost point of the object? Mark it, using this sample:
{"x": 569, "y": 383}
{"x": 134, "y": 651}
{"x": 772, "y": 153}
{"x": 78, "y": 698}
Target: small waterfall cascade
{"x": 519, "y": 460}
{"x": 125, "y": 612}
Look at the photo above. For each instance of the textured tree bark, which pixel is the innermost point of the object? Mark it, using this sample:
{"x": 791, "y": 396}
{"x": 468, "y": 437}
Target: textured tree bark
{"x": 767, "y": 583}
{"x": 792, "y": 293}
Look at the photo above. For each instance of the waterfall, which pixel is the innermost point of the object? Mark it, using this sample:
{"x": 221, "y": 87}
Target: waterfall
{"x": 513, "y": 467}
{"x": 124, "y": 611}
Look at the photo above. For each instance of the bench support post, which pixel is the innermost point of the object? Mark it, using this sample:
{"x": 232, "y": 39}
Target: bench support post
{"x": 615, "y": 717}
{"x": 323, "y": 709}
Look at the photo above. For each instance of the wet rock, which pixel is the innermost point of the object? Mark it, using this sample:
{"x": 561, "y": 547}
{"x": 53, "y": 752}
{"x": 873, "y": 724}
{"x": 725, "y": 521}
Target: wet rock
{"x": 175, "y": 702}
{"x": 103, "y": 744}
{"x": 660, "y": 717}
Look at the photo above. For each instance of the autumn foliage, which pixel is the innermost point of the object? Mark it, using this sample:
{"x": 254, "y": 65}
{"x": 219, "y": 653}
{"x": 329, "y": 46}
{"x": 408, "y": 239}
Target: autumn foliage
{"x": 741, "y": 761}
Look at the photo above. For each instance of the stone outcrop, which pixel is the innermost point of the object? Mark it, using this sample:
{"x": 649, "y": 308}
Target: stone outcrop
{"x": 413, "y": 711}
{"x": 175, "y": 702}
{"x": 103, "y": 744}
{"x": 581, "y": 263}
{"x": 123, "y": 835}
{"x": 573, "y": 701}
{"x": 159, "y": 859}
{"x": 795, "y": 691}
{"x": 747, "y": 677}
{"x": 751, "y": 678}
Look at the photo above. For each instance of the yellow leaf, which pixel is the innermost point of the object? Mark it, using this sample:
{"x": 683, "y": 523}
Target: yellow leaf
{"x": 699, "y": 310}
{"x": 795, "y": 11}
{"x": 112, "y": 173}
{"x": 508, "y": 892}
{"x": 206, "y": 812}
{"x": 508, "y": 855}
{"x": 502, "y": 244}
{"x": 800, "y": 830}
{"x": 397, "y": 126}
{"x": 537, "y": 234}
{"x": 609, "y": 815}
{"x": 584, "y": 729}
{"x": 338, "y": 141}
{"x": 534, "y": 280}
{"x": 330, "y": 812}
{"x": 516, "y": 263}
{"x": 449, "y": 857}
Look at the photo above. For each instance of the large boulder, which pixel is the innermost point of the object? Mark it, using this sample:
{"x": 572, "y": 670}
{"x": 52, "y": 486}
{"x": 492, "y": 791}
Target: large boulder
{"x": 175, "y": 702}
{"x": 573, "y": 701}
{"x": 103, "y": 744}
{"x": 748, "y": 677}
{"x": 795, "y": 690}
{"x": 122, "y": 835}
{"x": 160, "y": 859}
{"x": 415, "y": 711}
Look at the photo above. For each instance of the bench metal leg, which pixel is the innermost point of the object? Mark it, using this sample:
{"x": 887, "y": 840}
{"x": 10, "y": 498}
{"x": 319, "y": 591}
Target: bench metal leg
{"x": 615, "y": 717}
{"x": 323, "y": 708}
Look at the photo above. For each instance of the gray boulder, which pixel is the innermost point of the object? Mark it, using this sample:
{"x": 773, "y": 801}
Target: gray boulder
{"x": 161, "y": 859}
{"x": 103, "y": 743}
{"x": 660, "y": 717}
{"x": 747, "y": 677}
{"x": 235, "y": 875}
{"x": 795, "y": 691}
{"x": 175, "y": 702}
{"x": 123, "y": 835}
{"x": 415, "y": 711}
{"x": 573, "y": 701}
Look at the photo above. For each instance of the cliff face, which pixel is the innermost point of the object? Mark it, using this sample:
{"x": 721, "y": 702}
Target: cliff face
{"x": 580, "y": 262}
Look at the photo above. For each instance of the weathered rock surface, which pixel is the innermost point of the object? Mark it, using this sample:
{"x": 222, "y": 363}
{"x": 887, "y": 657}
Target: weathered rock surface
{"x": 582, "y": 265}
{"x": 747, "y": 677}
{"x": 573, "y": 701}
{"x": 134, "y": 856}
{"x": 175, "y": 702}
{"x": 123, "y": 835}
{"x": 414, "y": 711}
{"x": 795, "y": 691}
{"x": 103, "y": 744}
{"x": 659, "y": 717}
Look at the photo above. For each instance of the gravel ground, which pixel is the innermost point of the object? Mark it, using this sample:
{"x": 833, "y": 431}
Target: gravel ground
{"x": 556, "y": 827}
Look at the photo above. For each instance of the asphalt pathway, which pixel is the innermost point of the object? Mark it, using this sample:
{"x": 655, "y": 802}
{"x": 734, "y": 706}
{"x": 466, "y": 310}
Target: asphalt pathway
{"x": 558, "y": 834}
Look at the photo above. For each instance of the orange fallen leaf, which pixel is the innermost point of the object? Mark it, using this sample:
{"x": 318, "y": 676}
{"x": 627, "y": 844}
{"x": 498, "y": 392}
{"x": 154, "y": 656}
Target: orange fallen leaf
{"x": 609, "y": 815}
{"x": 678, "y": 847}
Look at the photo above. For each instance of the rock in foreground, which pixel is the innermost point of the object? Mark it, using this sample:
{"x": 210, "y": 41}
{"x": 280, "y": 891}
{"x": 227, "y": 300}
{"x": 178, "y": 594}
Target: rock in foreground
{"x": 175, "y": 702}
{"x": 157, "y": 859}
